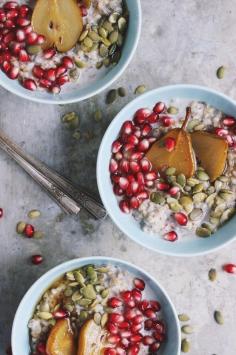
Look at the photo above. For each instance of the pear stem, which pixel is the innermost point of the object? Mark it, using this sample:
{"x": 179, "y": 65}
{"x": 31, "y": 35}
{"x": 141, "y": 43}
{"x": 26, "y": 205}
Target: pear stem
{"x": 187, "y": 117}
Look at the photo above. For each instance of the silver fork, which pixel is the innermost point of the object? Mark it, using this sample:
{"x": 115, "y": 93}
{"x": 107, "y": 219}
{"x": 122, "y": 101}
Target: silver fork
{"x": 70, "y": 198}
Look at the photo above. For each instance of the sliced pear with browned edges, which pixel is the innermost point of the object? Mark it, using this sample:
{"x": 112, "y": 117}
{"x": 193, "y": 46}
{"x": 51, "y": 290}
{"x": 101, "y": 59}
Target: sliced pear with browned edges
{"x": 211, "y": 151}
{"x": 91, "y": 339}
{"x": 60, "y": 21}
{"x": 182, "y": 158}
{"x": 61, "y": 339}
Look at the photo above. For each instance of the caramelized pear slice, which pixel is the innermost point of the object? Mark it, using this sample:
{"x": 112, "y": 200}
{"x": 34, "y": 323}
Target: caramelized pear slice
{"x": 91, "y": 339}
{"x": 60, "y": 21}
{"x": 61, "y": 339}
{"x": 211, "y": 150}
{"x": 182, "y": 157}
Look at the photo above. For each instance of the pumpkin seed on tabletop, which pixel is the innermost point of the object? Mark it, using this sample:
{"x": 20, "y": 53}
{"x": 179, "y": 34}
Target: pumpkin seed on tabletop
{"x": 185, "y": 346}
{"x": 220, "y": 73}
{"x": 218, "y": 316}
{"x": 121, "y": 92}
{"x": 212, "y": 274}
{"x": 71, "y": 120}
{"x": 111, "y": 96}
{"x": 140, "y": 89}
{"x": 183, "y": 317}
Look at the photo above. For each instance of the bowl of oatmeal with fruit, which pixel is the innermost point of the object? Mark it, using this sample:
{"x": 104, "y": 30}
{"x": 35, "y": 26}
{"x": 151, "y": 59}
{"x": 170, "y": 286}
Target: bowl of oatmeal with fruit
{"x": 97, "y": 305}
{"x": 65, "y": 50}
{"x": 170, "y": 176}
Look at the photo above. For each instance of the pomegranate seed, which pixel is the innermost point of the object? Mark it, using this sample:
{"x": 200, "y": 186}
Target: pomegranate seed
{"x": 112, "y": 328}
{"x": 159, "y": 327}
{"x": 113, "y": 339}
{"x": 37, "y": 259}
{"x": 148, "y": 340}
{"x": 159, "y": 107}
{"x": 84, "y": 11}
{"x": 124, "y": 165}
{"x": 118, "y": 156}
{"x": 44, "y": 83}
{"x": 136, "y": 155}
{"x": 138, "y": 319}
{"x": 30, "y": 84}
{"x": 110, "y": 351}
{"x": 152, "y": 175}
{"x": 114, "y": 302}
{"x": 9, "y": 37}
{"x": 13, "y": 73}
{"x": 11, "y": 14}
{"x": 1, "y": 212}
{"x": 115, "y": 178}
{"x": 41, "y": 39}
{"x": 50, "y": 74}
{"x": 230, "y": 140}
{"x": 23, "y": 22}
{"x": 152, "y": 139}
{"x": 6, "y": 56}
{"x": 174, "y": 190}
{"x": 127, "y": 147}
{"x": 155, "y": 305}
{"x": 136, "y": 338}
{"x": 126, "y": 296}
{"x": 23, "y": 56}
{"x": 170, "y": 144}
{"x": 143, "y": 145}
{"x": 143, "y": 305}
{"x": 229, "y": 121}
{"x": 29, "y": 231}
{"x": 155, "y": 347}
{"x": 166, "y": 121}
{"x": 60, "y": 70}
{"x": 123, "y": 182}
{"x": 221, "y": 132}
{"x": 159, "y": 337}
{"x": 134, "y": 203}
{"x": 149, "y": 313}
{"x": 116, "y": 318}
{"x": 63, "y": 80}
{"x": 181, "y": 218}
{"x": 139, "y": 284}
{"x": 135, "y": 328}
{"x": 24, "y": 10}
{"x": 15, "y": 48}
{"x": 113, "y": 167}
{"x": 148, "y": 324}
{"x": 41, "y": 348}
{"x": 130, "y": 178}
{"x": 146, "y": 129}
{"x": 28, "y": 29}
{"x": 162, "y": 186}
{"x": 6, "y": 66}
{"x": 67, "y": 62}
{"x": 60, "y": 314}
{"x": 132, "y": 139}
{"x": 31, "y": 38}
{"x": 38, "y": 72}
{"x": 134, "y": 166}
{"x": 120, "y": 351}
{"x": 127, "y": 127}
{"x": 116, "y": 146}
{"x": 153, "y": 117}
{"x": 230, "y": 268}
{"x": 137, "y": 295}
{"x": 124, "y": 206}
{"x": 118, "y": 191}
{"x": 49, "y": 53}
{"x": 143, "y": 195}
{"x": 2, "y": 15}
{"x": 137, "y": 132}
{"x": 9, "y": 5}
{"x": 134, "y": 187}
{"x": 125, "y": 333}
{"x": 141, "y": 115}
{"x": 124, "y": 325}
{"x": 131, "y": 303}
{"x": 55, "y": 89}
{"x": 171, "y": 236}
{"x": 9, "y": 24}
{"x": 129, "y": 313}
{"x": 133, "y": 350}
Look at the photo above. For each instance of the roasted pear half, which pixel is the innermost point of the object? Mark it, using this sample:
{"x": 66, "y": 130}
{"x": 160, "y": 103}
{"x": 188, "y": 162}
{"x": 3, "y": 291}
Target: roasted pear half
{"x": 61, "y": 339}
{"x": 182, "y": 157}
{"x": 60, "y": 21}
{"x": 211, "y": 150}
{"x": 91, "y": 339}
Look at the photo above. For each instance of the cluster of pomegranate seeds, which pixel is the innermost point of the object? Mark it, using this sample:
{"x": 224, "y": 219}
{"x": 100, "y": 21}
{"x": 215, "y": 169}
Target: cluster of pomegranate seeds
{"x": 131, "y": 172}
{"x": 16, "y": 35}
{"x": 134, "y": 322}
{"x": 227, "y": 130}
{"x": 230, "y": 268}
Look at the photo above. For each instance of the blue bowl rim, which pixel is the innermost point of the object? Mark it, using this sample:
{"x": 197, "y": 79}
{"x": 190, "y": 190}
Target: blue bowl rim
{"x": 7, "y": 85}
{"x": 69, "y": 266}
{"x": 100, "y": 160}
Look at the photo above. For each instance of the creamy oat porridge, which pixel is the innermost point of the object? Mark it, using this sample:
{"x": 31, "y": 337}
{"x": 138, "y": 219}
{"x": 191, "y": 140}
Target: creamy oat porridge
{"x": 100, "y": 310}
{"x": 47, "y": 44}
{"x": 174, "y": 169}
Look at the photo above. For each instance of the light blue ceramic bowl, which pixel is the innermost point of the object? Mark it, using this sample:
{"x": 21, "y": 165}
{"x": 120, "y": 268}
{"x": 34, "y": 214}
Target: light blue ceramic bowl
{"x": 20, "y": 334}
{"x": 75, "y": 95}
{"x": 127, "y": 223}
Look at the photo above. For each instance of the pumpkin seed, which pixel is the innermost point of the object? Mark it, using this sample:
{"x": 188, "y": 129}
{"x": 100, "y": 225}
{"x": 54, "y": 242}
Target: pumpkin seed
{"x": 20, "y": 227}
{"x": 172, "y": 110}
{"x": 84, "y": 302}
{"x": 76, "y": 296}
{"x": 103, "y": 51}
{"x": 203, "y": 232}
{"x": 181, "y": 179}
{"x": 199, "y": 197}
{"x": 218, "y": 185}
{"x": 120, "y": 40}
{"x": 113, "y": 18}
{"x": 192, "y": 182}
{"x": 140, "y": 89}
{"x": 76, "y": 134}
{"x": 210, "y": 199}
{"x": 219, "y": 317}
{"x": 105, "y": 293}
{"x": 226, "y": 195}
{"x": 171, "y": 179}
{"x": 34, "y": 214}
{"x": 103, "y": 269}
{"x": 79, "y": 277}
{"x": 88, "y": 42}
{"x": 202, "y": 175}
{"x": 227, "y": 214}
{"x": 208, "y": 226}
{"x": 99, "y": 65}
{"x": 98, "y": 115}
{"x": 71, "y": 119}
{"x": 122, "y": 24}
{"x": 214, "y": 220}
{"x": 157, "y": 198}
{"x": 80, "y": 64}
{"x": 192, "y": 124}
{"x": 111, "y": 96}
{"x": 175, "y": 207}
{"x": 83, "y": 35}
{"x": 121, "y": 92}
{"x": 187, "y": 203}
{"x": 103, "y": 32}
{"x": 170, "y": 171}
{"x": 199, "y": 127}
{"x": 45, "y": 315}
{"x": 183, "y": 317}
{"x": 94, "y": 36}
{"x": 38, "y": 234}
{"x": 113, "y": 36}
{"x": 68, "y": 292}
{"x": 210, "y": 190}
{"x": 212, "y": 274}
{"x": 83, "y": 315}
{"x": 196, "y": 214}
{"x": 93, "y": 304}
{"x": 187, "y": 329}
{"x": 69, "y": 307}
{"x": 104, "y": 319}
{"x": 106, "y": 62}
{"x": 106, "y": 42}
{"x": 198, "y": 188}
{"x": 97, "y": 318}
{"x": 93, "y": 276}
{"x": 187, "y": 188}
{"x": 185, "y": 346}
{"x": 223, "y": 178}
{"x": 34, "y": 49}
{"x": 220, "y": 73}
{"x": 108, "y": 26}
{"x": 89, "y": 292}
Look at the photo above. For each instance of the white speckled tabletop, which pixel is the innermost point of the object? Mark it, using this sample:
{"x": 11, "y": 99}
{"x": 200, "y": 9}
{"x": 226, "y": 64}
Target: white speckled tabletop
{"x": 183, "y": 41}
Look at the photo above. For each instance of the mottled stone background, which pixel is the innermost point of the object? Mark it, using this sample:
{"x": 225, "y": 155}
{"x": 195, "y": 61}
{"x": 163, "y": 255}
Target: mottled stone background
{"x": 183, "y": 41}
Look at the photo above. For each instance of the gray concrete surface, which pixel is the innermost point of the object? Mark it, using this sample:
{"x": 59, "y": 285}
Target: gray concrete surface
{"x": 183, "y": 41}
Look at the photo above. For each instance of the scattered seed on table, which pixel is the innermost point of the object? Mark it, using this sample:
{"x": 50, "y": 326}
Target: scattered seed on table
{"x": 111, "y": 96}
{"x": 20, "y": 227}
{"x": 172, "y": 110}
{"x": 183, "y": 317}
{"x": 121, "y": 92}
{"x": 34, "y": 214}
{"x": 1, "y": 212}
{"x": 76, "y": 134}
{"x": 212, "y": 274}
{"x": 140, "y": 89}
{"x": 71, "y": 120}
{"x": 220, "y": 73}
{"x": 187, "y": 329}
{"x": 98, "y": 115}
{"x": 185, "y": 346}
{"x": 219, "y": 317}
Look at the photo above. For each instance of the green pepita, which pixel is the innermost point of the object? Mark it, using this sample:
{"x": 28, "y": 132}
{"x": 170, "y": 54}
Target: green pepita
{"x": 45, "y": 315}
{"x": 113, "y": 18}
{"x": 99, "y": 65}
{"x": 108, "y": 26}
{"x": 210, "y": 199}
{"x": 105, "y": 293}
{"x": 84, "y": 302}
{"x": 104, "y": 319}
{"x": 212, "y": 274}
{"x": 102, "y": 269}
{"x": 76, "y": 296}
{"x": 88, "y": 42}
{"x": 71, "y": 119}
{"x": 199, "y": 197}
{"x": 219, "y": 317}
{"x": 69, "y": 307}
{"x": 187, "y": 203}
{"x": 196, "y": 214}
{"x": 122, "y": 24}
{"x": 121, "y": 92}
{"x": 202, "y": 175}
{"x": 185, "y": 346}
{"x": 198, "y": 188}
{"x": 80, "y": 64}
{"x": 170, "y": 171}
{"x": 215, "y": 221}
{"x": 203, "y": 232}
{"x": 220, "y": 73}
{"x": 83, "y": 315}
{"x": 199, "y": 127}
{"x": 192, "y": 124}
{"x": 97, "y": 318}
{"x": 227, "y": 214}
{"x": 187, "y": 329}
{"x": 192, "y": 182}
{"x": 106, "y": 42}
{"x": 103, "y": 51}
{"x": 68, "y": 292}
{"x": 113, "y": 37}
{"x": 181, "y": 179}
{"x": 94, "y": 36}
{"x": 83, "y": 35}
{"x": 183, "y": 317}
{"x": 103, "y": 32}
{"x": 157, "y": 198}
{"x": 223, "y": 178}
{"x": 79, "y": 277}
{"x": 89, "y": 292}
{"x": 140, "y": 89}
{"x": 111, "y": 96}
{"x": 34, "y": 49}
{"x": 210, "y": 190}
{"x": 175, "y": 207}
{"x": 172, "y": 110}
{"x": 20, "y": 227}
{"x": 106, "y": 62}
